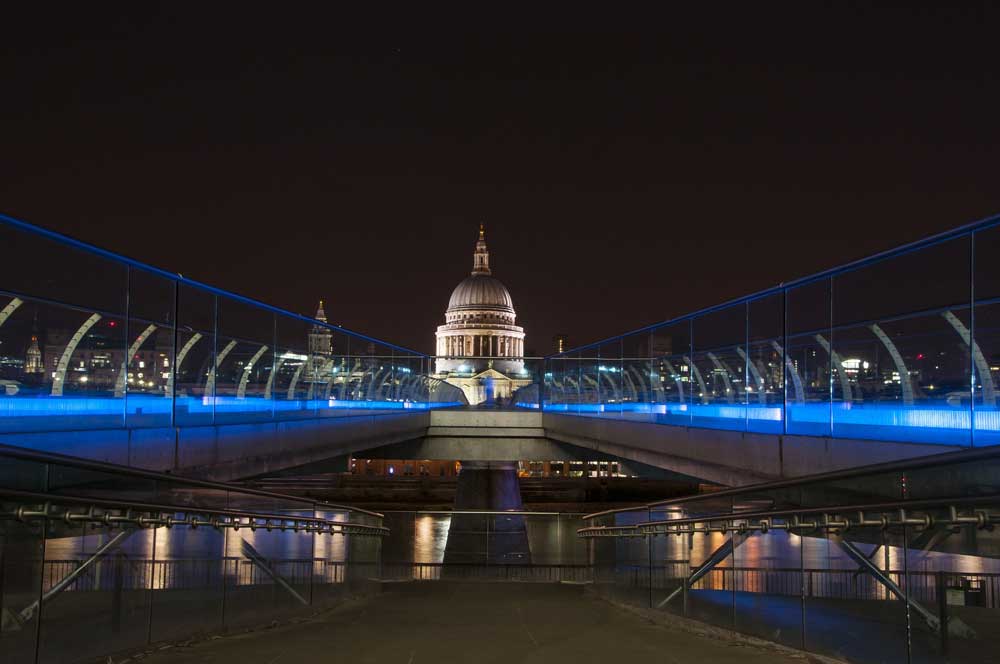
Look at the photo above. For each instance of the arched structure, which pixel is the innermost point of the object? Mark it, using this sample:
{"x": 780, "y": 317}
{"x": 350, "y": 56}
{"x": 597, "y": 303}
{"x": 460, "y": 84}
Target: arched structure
{"x": 724, "y": 370}
{"x": 845, "y": 381}
{"x": 241, "y": 391}
{"x": 904, "y": 375}
{"x": 11, "y": 307}
{"x": 179, "y": 362}
{"x": 210, "y": 382}
{"x": 800, "y": 394}
{"x": 989, "y": 396}
{"x": 122, "y": 378}
{"x": 60, "y": 377}
{"x": 758, "y": 380}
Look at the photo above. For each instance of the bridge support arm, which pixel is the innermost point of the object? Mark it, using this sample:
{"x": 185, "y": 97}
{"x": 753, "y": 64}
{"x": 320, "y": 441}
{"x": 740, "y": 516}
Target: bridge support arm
{"x": 955, "y": 626}
{"x": 262, "y": 563}
{"x": 713, "y": 559}
{"x": 27, "y": 613}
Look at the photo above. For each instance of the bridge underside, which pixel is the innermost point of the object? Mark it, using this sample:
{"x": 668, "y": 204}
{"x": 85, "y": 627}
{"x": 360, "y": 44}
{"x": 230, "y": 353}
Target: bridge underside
{"x": 229, "y": 452}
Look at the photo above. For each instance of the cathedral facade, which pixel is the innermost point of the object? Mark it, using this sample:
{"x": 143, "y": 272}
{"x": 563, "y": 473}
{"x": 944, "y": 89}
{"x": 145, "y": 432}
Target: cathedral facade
{"x": 480, "y": 348}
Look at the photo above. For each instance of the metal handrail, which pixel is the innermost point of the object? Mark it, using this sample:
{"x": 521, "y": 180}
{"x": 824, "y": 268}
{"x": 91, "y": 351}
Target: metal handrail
{"x": 487, "y": 512}
{"x": 229, "y": 518}
{"x": 966, "y": 229}
{"x": 744, "y": 521}
{"x": 103, "y": 466}
{"x": 934, "y": 460}
{"x": 177, "y": 278}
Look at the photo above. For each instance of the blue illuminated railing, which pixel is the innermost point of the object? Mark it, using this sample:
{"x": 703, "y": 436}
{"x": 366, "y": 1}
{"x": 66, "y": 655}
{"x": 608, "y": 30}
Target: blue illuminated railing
{"x": 901, "y": 346}
{"x": 93, "y": 340}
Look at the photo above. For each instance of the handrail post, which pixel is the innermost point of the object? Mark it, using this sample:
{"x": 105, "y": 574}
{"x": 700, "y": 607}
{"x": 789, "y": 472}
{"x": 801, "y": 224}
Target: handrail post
{"x": 942, "y": 597}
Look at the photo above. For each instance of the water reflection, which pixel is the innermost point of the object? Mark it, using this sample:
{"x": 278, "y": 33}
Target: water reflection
{"x": 422, "y": 538}
{"x": 430, "y": 536}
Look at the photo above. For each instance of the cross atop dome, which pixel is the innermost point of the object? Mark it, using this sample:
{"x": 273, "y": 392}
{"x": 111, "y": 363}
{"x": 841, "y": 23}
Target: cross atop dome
{"x": 481, "y": 259}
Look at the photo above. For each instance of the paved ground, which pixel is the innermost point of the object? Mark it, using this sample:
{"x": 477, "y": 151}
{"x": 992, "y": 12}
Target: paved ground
{"x": 423, "y": 623}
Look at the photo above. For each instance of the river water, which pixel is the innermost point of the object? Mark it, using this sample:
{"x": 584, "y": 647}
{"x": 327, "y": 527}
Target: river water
{"x": 418, "y": 537}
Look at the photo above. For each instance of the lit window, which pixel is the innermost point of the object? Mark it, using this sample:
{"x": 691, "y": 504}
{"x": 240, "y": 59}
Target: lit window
{"x": 142, "y": 365}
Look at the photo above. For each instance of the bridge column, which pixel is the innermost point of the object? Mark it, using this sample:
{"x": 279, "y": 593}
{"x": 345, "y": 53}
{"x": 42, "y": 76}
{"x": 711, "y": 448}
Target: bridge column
{"x": 492, "y": 486}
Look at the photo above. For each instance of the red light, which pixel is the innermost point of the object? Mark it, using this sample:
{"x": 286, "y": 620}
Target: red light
{"x": 111, "y": 323}
{"x": 920, "y": 356}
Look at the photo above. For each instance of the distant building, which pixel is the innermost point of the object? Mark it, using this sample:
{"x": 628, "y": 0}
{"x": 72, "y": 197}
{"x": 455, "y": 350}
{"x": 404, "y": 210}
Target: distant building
{"x": 33, "y": 358}
{"x": 560, "y": 343}
{"x": 320, "y": 344}
{"x": 480, "y": 348}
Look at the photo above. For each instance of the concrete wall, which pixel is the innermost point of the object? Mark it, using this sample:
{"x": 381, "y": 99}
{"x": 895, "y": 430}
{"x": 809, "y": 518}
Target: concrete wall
{"x": 231, "y": 451}
{"x": 479, "y": 435}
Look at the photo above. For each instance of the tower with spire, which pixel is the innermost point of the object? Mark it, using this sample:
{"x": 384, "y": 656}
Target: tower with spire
{"x": 320, "y": 337}
{"x": 320, "y": 344}
{"x": 33, "y": 364}
{"x": 33, "y": 358}
{"x": 481, "y": 258}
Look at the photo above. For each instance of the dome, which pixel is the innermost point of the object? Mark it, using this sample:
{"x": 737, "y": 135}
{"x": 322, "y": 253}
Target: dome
{"x": 481, "y": 291}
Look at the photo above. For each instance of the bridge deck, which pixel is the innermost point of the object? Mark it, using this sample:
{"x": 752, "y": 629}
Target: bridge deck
{"x": 415, "y": 623}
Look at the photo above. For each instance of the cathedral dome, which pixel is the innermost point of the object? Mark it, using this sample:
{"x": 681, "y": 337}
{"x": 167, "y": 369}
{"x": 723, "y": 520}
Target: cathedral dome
{"x": 480, "y": 340}
{"x": 478, "y": 292}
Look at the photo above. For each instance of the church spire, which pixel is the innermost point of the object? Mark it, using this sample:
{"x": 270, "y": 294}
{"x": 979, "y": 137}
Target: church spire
{"x": 481, "y": 259}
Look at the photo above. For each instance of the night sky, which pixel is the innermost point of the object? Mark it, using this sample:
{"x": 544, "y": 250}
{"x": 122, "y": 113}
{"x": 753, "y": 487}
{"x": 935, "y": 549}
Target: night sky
{"x": 624, "y": 175}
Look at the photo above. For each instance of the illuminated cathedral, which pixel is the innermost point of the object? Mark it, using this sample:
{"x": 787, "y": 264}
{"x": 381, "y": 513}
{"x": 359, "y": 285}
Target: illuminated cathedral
{"x": 480, "y": 348}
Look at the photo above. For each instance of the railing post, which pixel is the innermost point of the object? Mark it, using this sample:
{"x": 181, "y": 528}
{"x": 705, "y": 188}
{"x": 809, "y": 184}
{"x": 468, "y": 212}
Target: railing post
{"x": 116, "y": 597}
{"x": 684, "y": 591}
{"x": 942, "y": 598}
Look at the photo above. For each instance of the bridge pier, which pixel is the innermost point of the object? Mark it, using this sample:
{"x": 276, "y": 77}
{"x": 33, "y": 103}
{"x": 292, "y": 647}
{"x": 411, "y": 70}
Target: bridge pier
{"x": 485, "y": 539}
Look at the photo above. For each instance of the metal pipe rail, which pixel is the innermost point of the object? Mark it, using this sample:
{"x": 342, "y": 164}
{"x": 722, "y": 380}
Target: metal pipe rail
{"x": 835, "y": 519}
{"x": 127, "y": 514}
{"x": 930, "y": 461}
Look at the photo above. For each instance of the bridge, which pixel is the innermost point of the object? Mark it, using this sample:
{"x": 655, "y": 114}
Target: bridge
{"x": 848, "y": 419}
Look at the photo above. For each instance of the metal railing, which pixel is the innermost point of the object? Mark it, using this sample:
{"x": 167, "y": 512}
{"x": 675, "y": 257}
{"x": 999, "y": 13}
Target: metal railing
{"x": 891, "y": 347}
{"x": 902, "y": 552}
{"x": 153, "y": 480}
{"x": 135, "y": 347}
{"x": 79, "y": 536}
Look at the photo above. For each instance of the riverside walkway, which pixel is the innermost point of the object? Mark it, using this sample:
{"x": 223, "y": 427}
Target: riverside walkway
{"x": 443, "y": 622}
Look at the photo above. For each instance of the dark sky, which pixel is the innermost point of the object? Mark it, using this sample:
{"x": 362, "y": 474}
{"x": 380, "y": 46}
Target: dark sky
{"x": 625, "y": 175}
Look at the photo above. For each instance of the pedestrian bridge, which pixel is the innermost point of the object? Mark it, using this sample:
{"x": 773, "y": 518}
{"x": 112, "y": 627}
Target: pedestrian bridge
{"x": 903, "y": 347}
{"x": 881, "y": 373}
{"x": 894, "y": 356}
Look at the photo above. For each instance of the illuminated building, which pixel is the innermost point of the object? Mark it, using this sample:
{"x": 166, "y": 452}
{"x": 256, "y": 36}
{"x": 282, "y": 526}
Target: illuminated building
{"x": 33, "y": 358}
{"x": 480, "y": 348}
{"x": 320, "y": 341}
{"x": 560, "y": 343}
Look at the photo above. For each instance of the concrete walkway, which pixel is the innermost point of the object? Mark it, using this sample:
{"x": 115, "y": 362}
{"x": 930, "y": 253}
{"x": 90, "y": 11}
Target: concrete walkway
{"x": 432, "y": 622}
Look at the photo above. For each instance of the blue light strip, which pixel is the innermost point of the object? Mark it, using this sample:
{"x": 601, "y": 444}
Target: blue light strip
{"x": 44, "y": 408}
{"x": 953, "y": 424}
